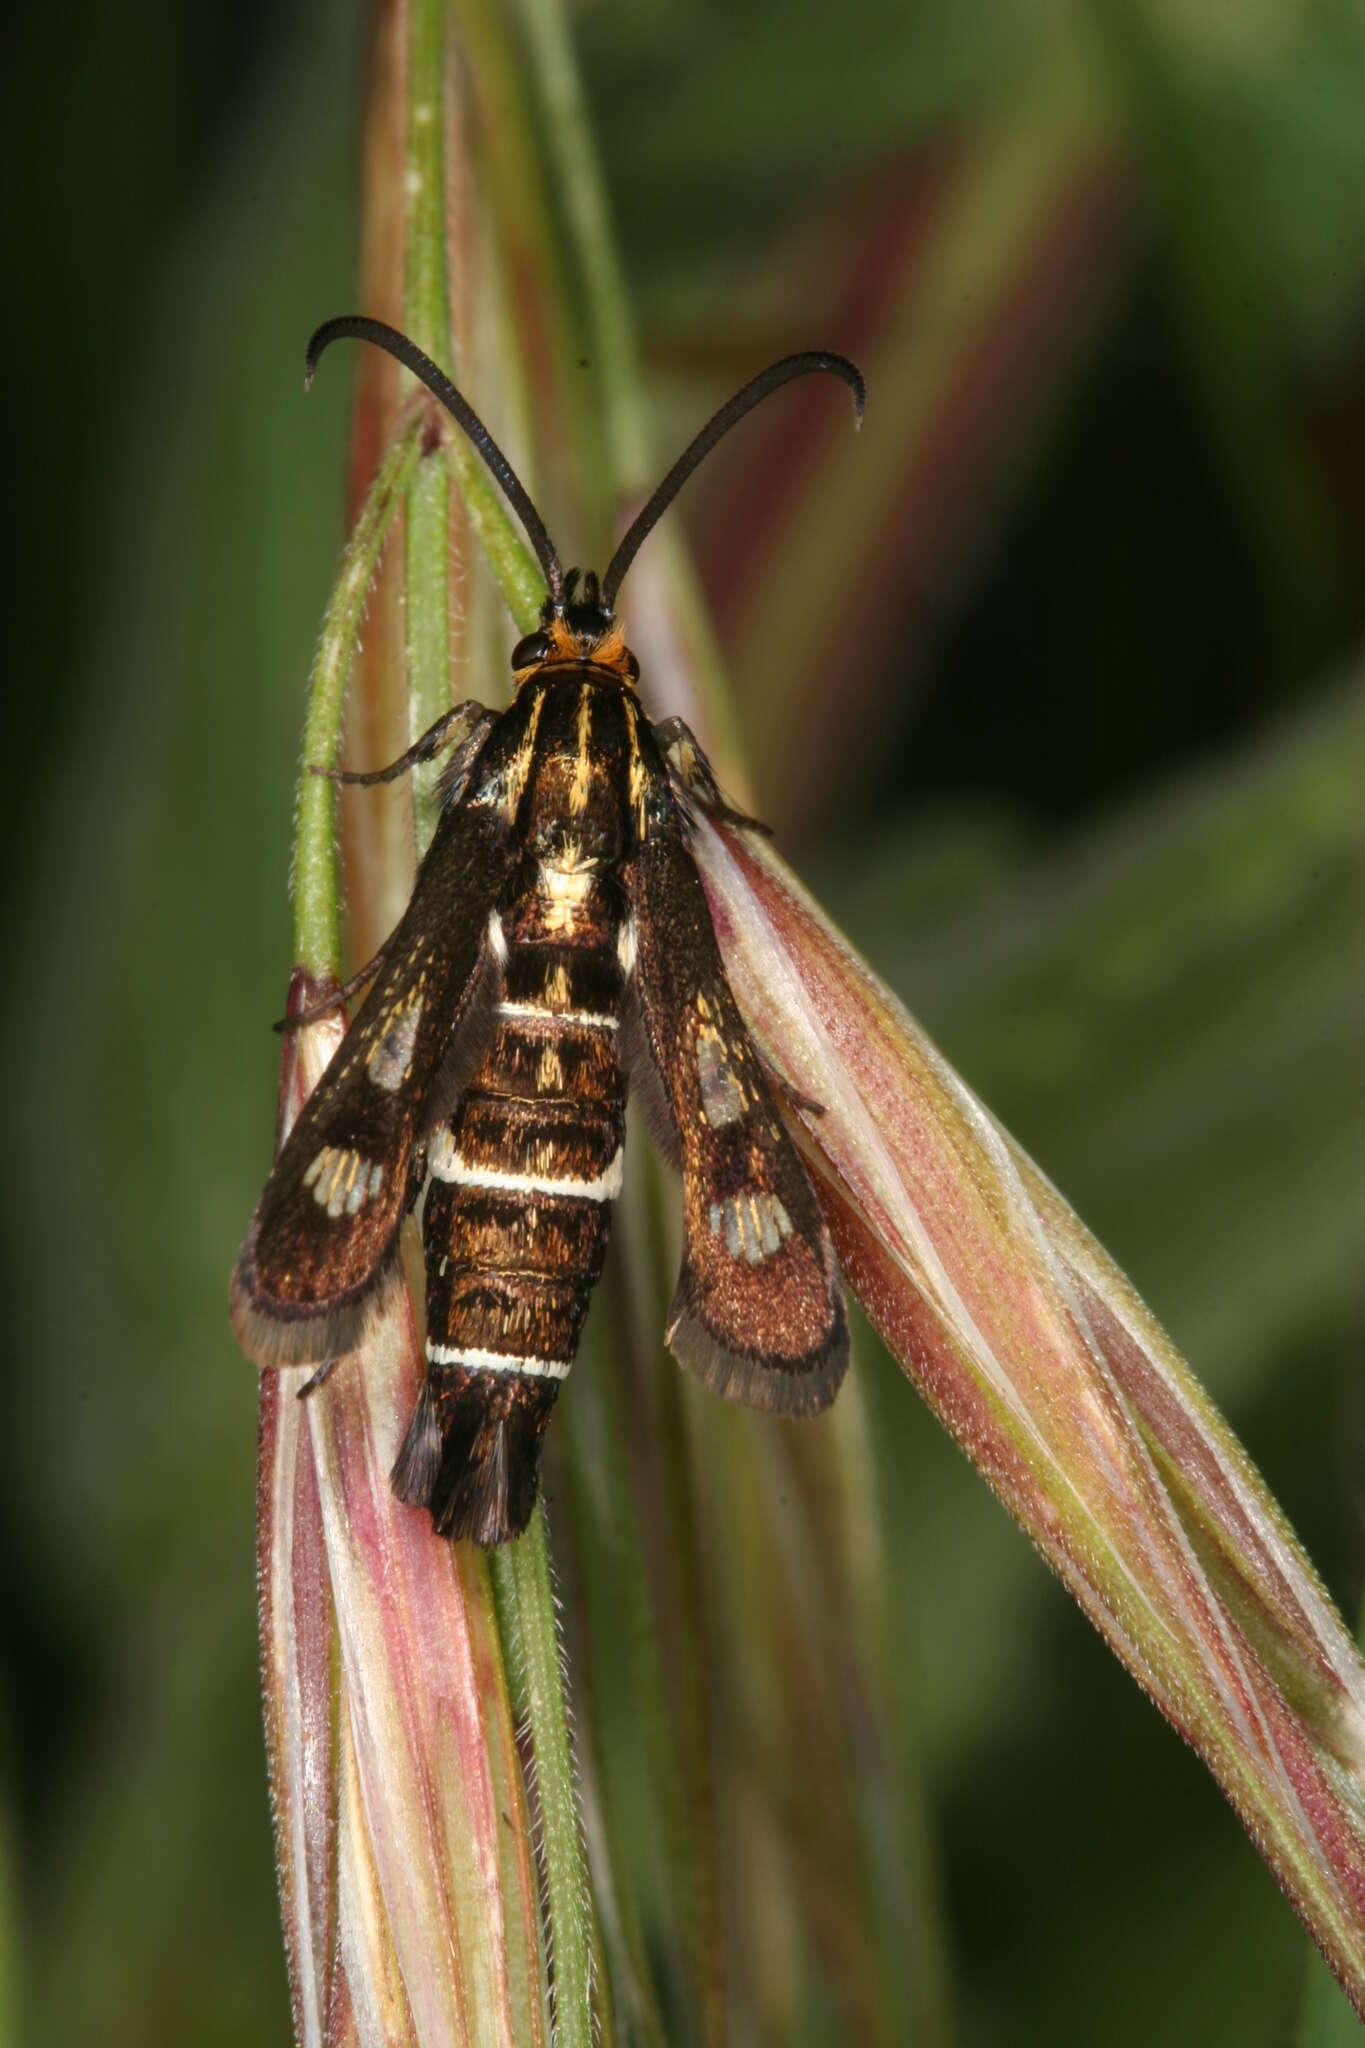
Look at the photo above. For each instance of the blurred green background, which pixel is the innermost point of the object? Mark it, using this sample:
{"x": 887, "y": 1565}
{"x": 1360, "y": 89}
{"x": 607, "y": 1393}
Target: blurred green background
{"x": 1050, "y": 683}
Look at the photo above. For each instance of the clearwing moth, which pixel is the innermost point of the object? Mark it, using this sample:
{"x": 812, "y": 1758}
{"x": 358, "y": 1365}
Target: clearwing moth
{"x": 557, "y": 946}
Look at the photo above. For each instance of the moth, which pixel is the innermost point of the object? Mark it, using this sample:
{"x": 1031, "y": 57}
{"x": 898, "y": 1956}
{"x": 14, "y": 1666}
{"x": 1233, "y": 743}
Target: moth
{"x": 556, "y": 949}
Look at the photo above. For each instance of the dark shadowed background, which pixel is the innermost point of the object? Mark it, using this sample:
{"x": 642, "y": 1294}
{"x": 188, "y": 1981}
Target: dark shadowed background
{"x": 1050, "y": 682}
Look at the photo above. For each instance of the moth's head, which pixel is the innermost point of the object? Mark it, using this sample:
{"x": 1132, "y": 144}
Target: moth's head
{"x": 577, "y": 628}
{"x": 574, "y": 627}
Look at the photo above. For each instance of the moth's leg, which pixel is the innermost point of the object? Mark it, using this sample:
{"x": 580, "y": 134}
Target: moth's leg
{"x": 449, "y": 729}
{"x": 317, "y": 1379}
{"x": 780, "y": 1085}
{"x": 690, "y": 767}
{"x": 338, "y": 995}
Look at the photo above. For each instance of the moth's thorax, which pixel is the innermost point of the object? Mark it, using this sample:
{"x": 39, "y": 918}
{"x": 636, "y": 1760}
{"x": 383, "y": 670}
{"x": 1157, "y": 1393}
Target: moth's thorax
{"x": 582, "y": 807}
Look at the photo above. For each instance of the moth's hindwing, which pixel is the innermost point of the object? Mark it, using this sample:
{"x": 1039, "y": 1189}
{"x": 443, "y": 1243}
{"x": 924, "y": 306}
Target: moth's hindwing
{"x": 759, "y": 1310}
{"x": 322, "y": 1239}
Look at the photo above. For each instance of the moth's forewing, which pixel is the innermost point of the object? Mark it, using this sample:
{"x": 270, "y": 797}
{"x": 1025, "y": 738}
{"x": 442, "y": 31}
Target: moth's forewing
{"x": 326, "y": 1228}
{"x": 759, "y": 1310}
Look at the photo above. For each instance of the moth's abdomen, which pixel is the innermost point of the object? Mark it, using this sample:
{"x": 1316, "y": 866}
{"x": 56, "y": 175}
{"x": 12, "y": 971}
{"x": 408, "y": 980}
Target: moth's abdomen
{"x": 517, "y": 1213}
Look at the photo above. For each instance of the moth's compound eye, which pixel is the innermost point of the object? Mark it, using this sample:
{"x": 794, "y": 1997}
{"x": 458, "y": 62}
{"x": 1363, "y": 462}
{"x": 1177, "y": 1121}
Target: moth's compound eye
{"x": 530, "y": 652}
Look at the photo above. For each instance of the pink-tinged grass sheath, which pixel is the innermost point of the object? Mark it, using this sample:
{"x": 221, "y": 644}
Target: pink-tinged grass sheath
{"x": 1038, "y": 1356}
{"x": 407, "y": 1877}
{"x": 297, "y": 1679}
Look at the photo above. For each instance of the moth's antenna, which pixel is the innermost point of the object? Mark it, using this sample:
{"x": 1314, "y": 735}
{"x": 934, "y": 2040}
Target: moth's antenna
{"x": 357, "y": 327}
{"x": 719, "y": 425}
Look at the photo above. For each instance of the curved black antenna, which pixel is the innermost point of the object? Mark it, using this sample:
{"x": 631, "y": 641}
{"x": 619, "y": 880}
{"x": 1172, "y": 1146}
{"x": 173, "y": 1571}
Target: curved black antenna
{"x": 719, "y": 424}
{"x": 358, "y": 328}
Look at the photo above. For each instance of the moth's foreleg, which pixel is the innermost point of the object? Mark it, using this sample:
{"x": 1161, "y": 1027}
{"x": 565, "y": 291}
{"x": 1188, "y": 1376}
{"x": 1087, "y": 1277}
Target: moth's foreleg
{"x": 449, "y": 729}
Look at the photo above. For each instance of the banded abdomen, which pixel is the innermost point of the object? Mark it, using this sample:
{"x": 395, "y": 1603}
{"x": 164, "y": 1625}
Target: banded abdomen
{"x": 518, "y": 1207}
